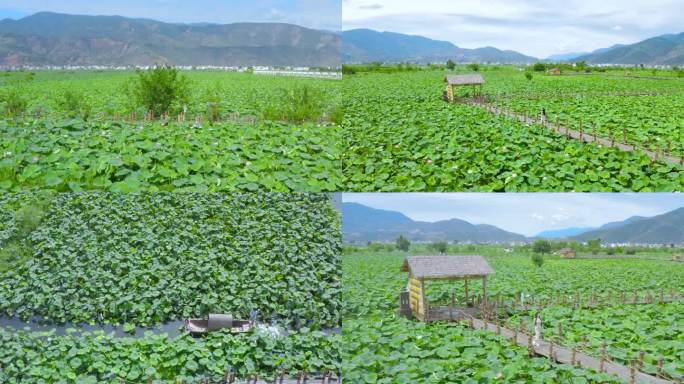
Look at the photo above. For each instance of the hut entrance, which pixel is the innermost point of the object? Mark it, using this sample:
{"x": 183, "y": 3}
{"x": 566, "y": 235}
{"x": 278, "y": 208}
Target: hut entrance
{"x": 474, "y": 81}
{"x": 414, "y": 302}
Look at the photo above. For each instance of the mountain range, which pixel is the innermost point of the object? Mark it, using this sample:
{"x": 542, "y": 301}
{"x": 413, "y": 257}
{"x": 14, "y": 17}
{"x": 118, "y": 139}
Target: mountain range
{"x": 361, "y": 224}
{"x": 659, "y": 50}
{"x": 366, "y": 45}
{"x": 662, "y": 229}
{"x": 48, "y": 38}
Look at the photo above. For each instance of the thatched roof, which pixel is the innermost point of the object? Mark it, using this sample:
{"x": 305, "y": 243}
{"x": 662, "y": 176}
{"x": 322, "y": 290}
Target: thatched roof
{"x": 464, "y": 80}
{"x": 446, "y": 267}
{"x": 566, "y": 251}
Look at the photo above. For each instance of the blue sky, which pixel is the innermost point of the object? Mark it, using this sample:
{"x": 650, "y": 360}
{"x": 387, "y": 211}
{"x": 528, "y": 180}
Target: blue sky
{"x": 524, "y": 213}
{"x": 534, "y": 27}
{"x": 319, "y": 14}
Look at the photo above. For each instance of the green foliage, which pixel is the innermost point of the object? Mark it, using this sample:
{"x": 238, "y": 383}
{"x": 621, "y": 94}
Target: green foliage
{"x": 630, "y": 251}
{"x": 379, "y": 347}
{"x": 400, "y": 136}
{"x": 581, "y": 65}
{"x": 379, "y": 247}
{"x": 12, "y": 254}
{"x": 297, "y": 105}
{"x": 123, "y": 157}
{"x": 149, "y": 258}
{"x": 541, "y": 246}
{"x": 214, "y": 97}
{"x": 539, "y": 67}
{"x": 594, "y": 245}
{"x": 14, "y": 102}
{"x": 402, "y": 243}
{"x": 161, "y": 89}
{"x": 441, "y": 247}
{"x": 474, "y": 67}
{"x": 74, "y": 104}
{"x": 627, "y": 330}
{"x": 348, "y": 70}
{"x": 528, "y": 75}
{"x": 538, "y": 259}
{"x": 99, "y": 358}
{"x": 450, "y": 65}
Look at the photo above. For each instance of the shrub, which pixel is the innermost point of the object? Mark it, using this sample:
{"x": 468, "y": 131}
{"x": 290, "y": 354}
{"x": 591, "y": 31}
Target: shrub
{"x": 538, "y": 259}
{"x": 528, "y": 75}
{"x": 474, "y": 67}
{"x": 161, "y": 89}
{"x": 15, "y": 103}
{"x": 631, "y": 251}
{"x": 297, "y": 105}
{"x": 213, "y": 98}
{"x": 450, "y": 65}
{"x": 610, "y": 251}
{"x": 74, "y": 104}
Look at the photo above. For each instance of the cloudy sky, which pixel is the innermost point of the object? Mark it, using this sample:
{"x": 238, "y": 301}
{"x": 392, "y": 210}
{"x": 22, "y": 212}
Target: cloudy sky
{"x": 319, "y": 14}
{"x": 534, "y": 27}
{"x": 524, "y": 213}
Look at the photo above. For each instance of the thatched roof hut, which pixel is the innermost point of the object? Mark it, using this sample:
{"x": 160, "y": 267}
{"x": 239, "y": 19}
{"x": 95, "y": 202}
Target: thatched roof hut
{"x": 423, "y": 268}
{"x": 474, "y": 80}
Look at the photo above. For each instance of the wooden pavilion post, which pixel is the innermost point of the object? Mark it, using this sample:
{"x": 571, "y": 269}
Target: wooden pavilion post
{"x": 484, "y": 290}
{"x": 466, "y": 291}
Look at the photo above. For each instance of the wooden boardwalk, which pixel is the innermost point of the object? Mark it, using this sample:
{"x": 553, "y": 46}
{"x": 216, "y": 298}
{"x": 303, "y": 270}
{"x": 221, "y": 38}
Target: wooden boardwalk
{"x": 581, "y": 136}
{"x": 564, "y": 356}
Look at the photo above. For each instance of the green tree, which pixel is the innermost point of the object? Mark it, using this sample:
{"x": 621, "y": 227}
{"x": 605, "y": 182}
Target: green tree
{"x": 541, "y": 247}
{"x": 539, "y": 67}
{"x": 594, "y": 245}
{"x": 450, "y": 65}
{"x": 528, "y": 75}
{"x": 160, "y": 89}
{"x": 474, "y": 67}
{"x": 403, "y": 244}
{"x": 581, "y": 65}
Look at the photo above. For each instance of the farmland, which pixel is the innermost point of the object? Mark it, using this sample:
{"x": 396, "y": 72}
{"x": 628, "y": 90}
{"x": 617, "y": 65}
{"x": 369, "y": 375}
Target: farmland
{"x": 73, "y": 131}
{"x": 401, "y": 136}
{"x": 147, "y": 259}
{"x": 381, "y": 347}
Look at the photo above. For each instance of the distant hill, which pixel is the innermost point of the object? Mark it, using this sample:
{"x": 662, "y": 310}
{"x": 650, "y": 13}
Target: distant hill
{"x": 366, "y": 45}
{"x": 660, "y": 50}
{"x": 361, "y": 224}
{"x": 662, "y": 229}
{"x": 58, "y": 39}
{"x": 563, "y": 233}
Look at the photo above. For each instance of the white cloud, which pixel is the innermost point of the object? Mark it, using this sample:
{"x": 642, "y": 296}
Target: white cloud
{"x": 535, "y": 27}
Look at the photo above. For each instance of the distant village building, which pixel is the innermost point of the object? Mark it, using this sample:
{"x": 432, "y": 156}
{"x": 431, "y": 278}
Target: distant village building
{"x": 567, "y": 253}
{"x": 554, "y": 71}
{"x": 462, "y": 81}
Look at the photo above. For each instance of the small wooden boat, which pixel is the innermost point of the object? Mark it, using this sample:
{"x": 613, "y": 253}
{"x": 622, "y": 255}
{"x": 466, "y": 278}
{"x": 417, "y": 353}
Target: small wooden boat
{"x": 216, "y": 322}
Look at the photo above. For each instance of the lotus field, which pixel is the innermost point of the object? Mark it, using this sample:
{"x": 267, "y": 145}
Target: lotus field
{"x": 147, "y": 259}
{"x": 73, "y": 131}
{"x": 400, "y": 134}
{"x": 381, "y": 347}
